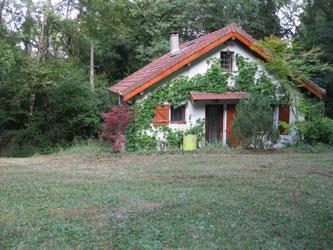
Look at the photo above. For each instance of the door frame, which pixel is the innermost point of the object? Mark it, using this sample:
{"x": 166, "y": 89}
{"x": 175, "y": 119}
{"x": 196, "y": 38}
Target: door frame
{"x": 220, "y": 116}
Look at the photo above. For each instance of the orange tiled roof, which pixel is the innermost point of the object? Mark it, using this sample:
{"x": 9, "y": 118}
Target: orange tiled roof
{"x": 189, "y": 51}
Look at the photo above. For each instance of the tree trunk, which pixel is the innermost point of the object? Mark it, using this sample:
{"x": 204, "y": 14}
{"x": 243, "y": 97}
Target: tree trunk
{"x": 27, "y": 43}
{"x": 2, "y": 6}
{"x": 91, "y": 76}
{"x": 42, "y": 33}
{"x": 39, "y": 55}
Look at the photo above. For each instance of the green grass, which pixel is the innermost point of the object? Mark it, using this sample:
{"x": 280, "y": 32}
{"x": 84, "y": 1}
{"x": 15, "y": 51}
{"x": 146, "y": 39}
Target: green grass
{"x": 167, "y": 201}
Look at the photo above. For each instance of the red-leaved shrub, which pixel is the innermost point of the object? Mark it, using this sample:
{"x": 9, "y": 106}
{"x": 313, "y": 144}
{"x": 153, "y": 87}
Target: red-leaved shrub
{"x": 115, "y": 126}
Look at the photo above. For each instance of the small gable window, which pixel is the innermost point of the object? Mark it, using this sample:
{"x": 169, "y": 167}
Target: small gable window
{"x": 178, "y": 114}
{"x": 226, "y": 60}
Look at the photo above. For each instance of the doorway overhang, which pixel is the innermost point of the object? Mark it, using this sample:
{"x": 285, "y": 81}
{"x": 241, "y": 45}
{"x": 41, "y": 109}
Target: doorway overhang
{"x": 198, "y": 96}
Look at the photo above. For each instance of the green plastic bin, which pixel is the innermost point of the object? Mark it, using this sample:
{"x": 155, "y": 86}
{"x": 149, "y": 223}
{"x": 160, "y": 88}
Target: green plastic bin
{"x": 189, "y": 142}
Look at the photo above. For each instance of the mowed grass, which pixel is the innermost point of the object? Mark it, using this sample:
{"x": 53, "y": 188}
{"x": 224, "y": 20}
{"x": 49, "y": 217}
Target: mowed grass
{"x": 167, "y": 201}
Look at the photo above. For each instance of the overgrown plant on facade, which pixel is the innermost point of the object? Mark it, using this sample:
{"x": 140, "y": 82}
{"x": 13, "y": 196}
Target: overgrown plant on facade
{"x": 289, "y": 65}
{"x": 142, "y": 136}
{"x": 115, "y": 126}
{"x": 253, "y": 126}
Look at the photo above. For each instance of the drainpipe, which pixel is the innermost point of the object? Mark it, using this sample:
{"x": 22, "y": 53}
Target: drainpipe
{"x": 119, "y": 100}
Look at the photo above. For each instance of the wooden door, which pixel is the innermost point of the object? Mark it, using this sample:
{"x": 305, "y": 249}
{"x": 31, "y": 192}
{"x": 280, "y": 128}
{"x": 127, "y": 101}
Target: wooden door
{"x": 214, "y": 123}
{"x": 231, "y": 111}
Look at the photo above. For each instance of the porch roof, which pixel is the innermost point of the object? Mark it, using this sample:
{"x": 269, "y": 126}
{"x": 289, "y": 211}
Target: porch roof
{"x": 197, "y": 96}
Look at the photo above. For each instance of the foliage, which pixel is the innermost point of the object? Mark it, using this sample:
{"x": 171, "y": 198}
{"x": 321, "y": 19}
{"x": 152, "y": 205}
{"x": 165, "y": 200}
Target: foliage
{"x": 253, "y": 127}
{"x": 115, "y": 126}
{"x": 79, "y": 146}
{"x": 173, "y": 138}
{"x": 314, "y": 31}
{"x": 65, "y": 108}
{"x": 290, "y": 65}
{"x": 250, "y": 79}
{"x": 317, "y": 128}
{"x": 156, "y": 18}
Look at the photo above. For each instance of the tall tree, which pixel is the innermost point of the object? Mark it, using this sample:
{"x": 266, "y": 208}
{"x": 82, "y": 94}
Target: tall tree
{"x": 316, "y": 31}
{"x": 91, "y": 74}
{"x": 40, "y": 52}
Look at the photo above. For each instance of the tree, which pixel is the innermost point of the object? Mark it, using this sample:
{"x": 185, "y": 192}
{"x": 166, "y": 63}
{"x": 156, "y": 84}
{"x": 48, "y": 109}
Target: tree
{"x": 253, "y": 126}
{"x": 289, "y": 64}
{"x": 116, "y": 125}
{"x": 315, "y": 31}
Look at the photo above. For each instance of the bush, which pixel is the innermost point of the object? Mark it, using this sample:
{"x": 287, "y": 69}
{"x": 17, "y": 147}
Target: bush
{"x": 253, "y": 127}
{"x": 318, "y": 129}
{"x": 115, "y": 126}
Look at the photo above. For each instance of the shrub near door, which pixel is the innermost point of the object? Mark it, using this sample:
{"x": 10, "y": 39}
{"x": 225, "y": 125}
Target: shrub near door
{"x": 253, "y": 127}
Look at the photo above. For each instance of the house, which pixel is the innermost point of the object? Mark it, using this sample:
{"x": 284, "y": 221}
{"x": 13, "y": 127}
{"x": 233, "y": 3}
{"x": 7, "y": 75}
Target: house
{"x": 190, "y": 59}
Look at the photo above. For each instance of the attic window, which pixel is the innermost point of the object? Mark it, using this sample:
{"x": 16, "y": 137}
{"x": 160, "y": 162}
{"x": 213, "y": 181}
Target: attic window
{"x": 226, "y": 60}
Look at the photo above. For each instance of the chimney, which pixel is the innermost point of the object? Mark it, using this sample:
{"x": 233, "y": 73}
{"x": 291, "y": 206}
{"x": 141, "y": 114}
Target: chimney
{"x": 174, "y": 42}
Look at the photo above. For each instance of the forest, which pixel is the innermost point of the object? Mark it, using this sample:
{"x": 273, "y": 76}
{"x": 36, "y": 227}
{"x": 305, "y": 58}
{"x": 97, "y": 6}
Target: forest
{"x": 58, "y": 57}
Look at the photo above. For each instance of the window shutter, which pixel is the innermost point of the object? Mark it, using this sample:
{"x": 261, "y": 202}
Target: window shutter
{"x": 161, "y": 116}
{"x": 183, "y": 113}
{"x": 284, "y": 112}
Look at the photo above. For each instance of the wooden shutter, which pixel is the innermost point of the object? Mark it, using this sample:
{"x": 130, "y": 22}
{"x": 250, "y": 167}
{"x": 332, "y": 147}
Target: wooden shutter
{"x": 183, "y": 113}
{"x": 284, "y": 113}
{"x": 161, "y": 116}
{"x": 231, "y": 111}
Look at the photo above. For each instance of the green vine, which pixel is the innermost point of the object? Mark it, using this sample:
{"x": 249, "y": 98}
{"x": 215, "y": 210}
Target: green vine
{"x": 143, "y": 136}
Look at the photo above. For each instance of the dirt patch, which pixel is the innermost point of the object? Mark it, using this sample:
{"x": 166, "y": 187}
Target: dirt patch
{"x": 60, "y": 212}
{"x": 264, "y": 166}
{"x": 327, "y": 174}
{"x": 185, "y": 179}
{"x": 144, "y": 205}
{"x": 8, "y": 219}
{"x": 104, "y": 216}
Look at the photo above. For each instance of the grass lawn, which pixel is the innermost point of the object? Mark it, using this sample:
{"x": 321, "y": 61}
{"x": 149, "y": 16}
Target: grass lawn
{"x": 167, "y": 201}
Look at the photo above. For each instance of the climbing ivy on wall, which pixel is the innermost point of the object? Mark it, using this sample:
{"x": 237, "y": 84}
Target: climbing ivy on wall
{"x": 143, "y": 136}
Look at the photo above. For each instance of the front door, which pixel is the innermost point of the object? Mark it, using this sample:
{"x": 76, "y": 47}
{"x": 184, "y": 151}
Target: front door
{"x": 214, "y": 123}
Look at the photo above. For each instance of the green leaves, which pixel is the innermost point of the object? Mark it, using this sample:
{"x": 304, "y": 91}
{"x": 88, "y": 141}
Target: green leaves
{"x": 253, "y": 127}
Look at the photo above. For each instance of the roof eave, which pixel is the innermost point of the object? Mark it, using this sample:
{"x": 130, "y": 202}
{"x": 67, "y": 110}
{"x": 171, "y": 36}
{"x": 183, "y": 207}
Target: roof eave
{"x": 317, "y": 92}
{"x": 115, "y": 93}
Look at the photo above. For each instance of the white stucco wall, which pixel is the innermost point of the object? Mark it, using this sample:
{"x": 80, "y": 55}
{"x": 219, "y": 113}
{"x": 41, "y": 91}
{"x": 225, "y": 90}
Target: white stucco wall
{"x": 200, "y": 66}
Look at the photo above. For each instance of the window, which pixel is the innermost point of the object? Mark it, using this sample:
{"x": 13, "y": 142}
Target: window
{"x": 226, "y": 60}
{"x": 178, "y": 114}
